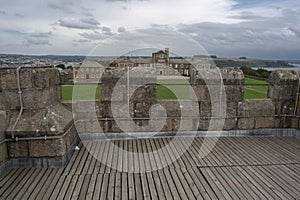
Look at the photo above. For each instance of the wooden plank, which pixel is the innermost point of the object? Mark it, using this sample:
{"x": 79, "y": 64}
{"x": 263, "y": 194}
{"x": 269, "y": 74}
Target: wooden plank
{"x": 152, "y": 189}
{"x": 118, "y": 180}
{"x": 40, "y": 184}
{"x": 138, "y": 186}
{"x": 291, "y": 185}
{"x": 7, "y": 182}
{"x": 158, "y": 184}
{"x": 95, "y": 189}
{"x": 111, "y": 186}
{"x": 145, "y": 187}
{"x": 53, "y": 183}
{"x": 131, "y": 189}
{"x": 104, "y": 187}
{"x": 188, "y": 189}
{"x": 72, "y": 184}
{"x": 104, "y": 150}
{"x": 34, "y": 184}
{"x": 130, "y": 162}
{"x": 115, "y": 156}
{"x": 58, "y": 188}
{"x": 191, "y": 183}
{"x": 90, "y": 187}
{"x": 71, "y": 163}
{"x": 25, "y": 185}
{"x": 6, "y": 176}
{"x": 227, "y": 184}
{"x": 215, "y": 184}
{"x": 171, "y": 183}
{"x": 274, "y": 193}
{"x": 79, "y": 186}
{"x": 11, "y": 192}
{"x": 202, "y": 184}
{"x": 240, "y": 184}
{"x": 47, "y": 184}
{"x": 124, "y": 190}
{"x": 178, "y": 185}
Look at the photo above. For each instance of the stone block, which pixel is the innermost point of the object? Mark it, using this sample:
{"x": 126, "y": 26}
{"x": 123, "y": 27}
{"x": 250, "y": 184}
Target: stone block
{"x": 284, "y": 107}
{"x": 282, "y": 92}
{"x": 264, "y": 122}
{"x": 70, "y": 137}
{"x": 3, "y": 121}
{"x": 283, "y": 77}
{"x": 246, "y": 123}
{"x": 45, "y": 77}
{"x": 230, "y": 124}
{"x": 203, "y": 124}
{"x": 3, "y": 153}
{"x": 93, "y": 127}
{"x": 47, "y": 148}
{"x": 9, "y": 79}
{"x": 234, "y": 92}
{"x": 18, "y": 149}
{"x": 256, "y": 107}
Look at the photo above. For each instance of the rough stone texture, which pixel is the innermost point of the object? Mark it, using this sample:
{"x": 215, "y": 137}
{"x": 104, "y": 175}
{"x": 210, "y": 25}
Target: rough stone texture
{"x": 47, "y": 148}
{"x": 207, "y": 85}
{"x": 256, "y": 107}
{"x": 246, "y": 123}
{"x": 53, "y": 120}
{"x": 3, "y": 153}
{"x": 283, "y": 77}
{"x": 43, "y": 113}
{"x": 18, "y": 149}
{"x": 284, "y": 107}
{"x": 264, "y": 122}
{"x": 283, "y": 91}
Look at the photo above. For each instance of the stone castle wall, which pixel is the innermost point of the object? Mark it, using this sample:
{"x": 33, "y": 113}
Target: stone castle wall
{"x": 45, "y": 128}
{"x": 274, "y": 112}
{"x": 45, "y": 132}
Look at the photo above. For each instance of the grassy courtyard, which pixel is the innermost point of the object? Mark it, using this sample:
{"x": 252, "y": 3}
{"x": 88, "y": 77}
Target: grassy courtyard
{"x": 255, "y": 91}
{"x": 166, "y": 89}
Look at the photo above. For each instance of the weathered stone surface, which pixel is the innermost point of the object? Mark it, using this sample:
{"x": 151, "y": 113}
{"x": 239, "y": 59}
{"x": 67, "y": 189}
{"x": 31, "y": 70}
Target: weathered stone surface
{"x": 230, "y": 124}
{"x": 47, "y": 148}
{"x": 284, "y": 107}
{"x": 246, "y": 123}
{"x": 18, "y": 149}
{"x": 283, "y": 77}
{"x": 256, "y": 107}
{"x": 229, "y": 76}
{"x": 264, "y": 122}
{"x": 70, "y": 137}
{"x": 53, "y": 120}
{"x": 32, "y": 98}
{"x": 34, "y": 77}
{"x": 3, "y": 153}
{"x": 282, "y": 92}
{"x": 3, "y": 121}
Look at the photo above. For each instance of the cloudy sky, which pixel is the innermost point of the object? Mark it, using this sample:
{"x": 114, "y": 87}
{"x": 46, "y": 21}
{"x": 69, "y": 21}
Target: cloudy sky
{"x": 231, "y": 28}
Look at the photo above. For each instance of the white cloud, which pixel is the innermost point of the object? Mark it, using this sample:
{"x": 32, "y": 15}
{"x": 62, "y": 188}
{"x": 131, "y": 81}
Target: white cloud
{"x": 79, "y": 23}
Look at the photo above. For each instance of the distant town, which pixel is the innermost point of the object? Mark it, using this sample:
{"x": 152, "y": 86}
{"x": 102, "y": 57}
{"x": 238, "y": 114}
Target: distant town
{"x": 14, "y": 60}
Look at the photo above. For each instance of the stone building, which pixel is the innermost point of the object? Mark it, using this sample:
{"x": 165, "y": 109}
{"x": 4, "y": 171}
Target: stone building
{"x": 161, "y": 61}
{"x": 87, "y": 72}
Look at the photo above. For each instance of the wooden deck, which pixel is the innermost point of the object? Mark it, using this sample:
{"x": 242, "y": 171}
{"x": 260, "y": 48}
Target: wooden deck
{"x": 237, "y": 168}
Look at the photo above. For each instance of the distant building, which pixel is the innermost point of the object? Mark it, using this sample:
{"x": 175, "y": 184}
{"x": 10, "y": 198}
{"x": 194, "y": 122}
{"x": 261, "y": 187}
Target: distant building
{"x": 91, "y": 71}
{"x": 161, "y": 60}
{"x": 87, "y": 72}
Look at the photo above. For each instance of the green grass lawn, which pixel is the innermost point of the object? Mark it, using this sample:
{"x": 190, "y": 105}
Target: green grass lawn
{"x": 164, "y": 90}
{"x": 173, "y": 89}
{"x": 82, "y": 92}
{"x": 255, "y": 91}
